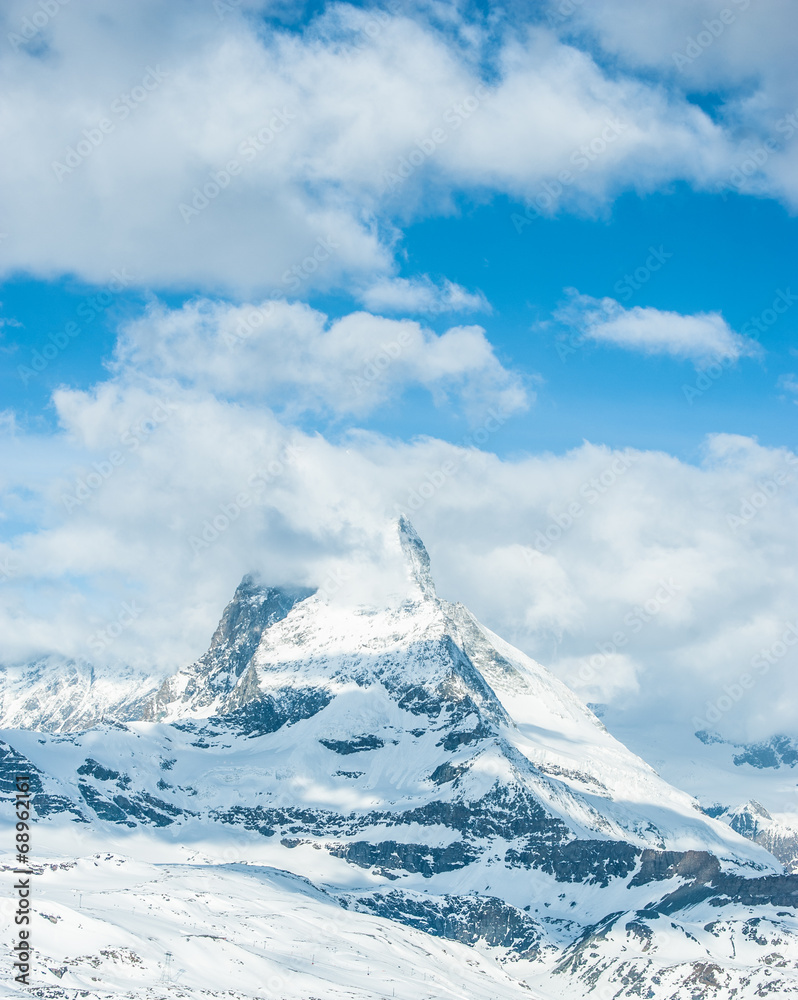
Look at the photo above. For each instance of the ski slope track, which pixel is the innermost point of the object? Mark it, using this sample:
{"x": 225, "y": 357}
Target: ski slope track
{"x": 346, "y": 800}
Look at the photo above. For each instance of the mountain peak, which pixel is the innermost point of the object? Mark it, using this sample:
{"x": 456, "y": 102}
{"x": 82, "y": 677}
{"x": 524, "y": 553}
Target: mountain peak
{"x": 416, "y": 557}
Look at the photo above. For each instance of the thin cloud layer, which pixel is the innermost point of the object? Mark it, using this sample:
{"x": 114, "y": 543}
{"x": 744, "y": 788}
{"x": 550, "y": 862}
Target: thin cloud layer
{"x": 422, "y": 295}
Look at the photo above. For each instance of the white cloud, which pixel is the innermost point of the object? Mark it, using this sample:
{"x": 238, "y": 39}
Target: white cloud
{"x": 422, "y": 295}
{"x": 789, "y": 382}
{"x": 272, "y": 141}
{"x": 8, "y": 421}
{"x": 751, "y": 42}
{"x": 701, "y": 337}
{"x": 740, "y": 51}
{"x": 291, "y": 357}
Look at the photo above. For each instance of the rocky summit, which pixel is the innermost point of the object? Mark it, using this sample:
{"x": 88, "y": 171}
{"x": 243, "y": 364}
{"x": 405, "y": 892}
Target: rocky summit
{"x": 391, "y": 773}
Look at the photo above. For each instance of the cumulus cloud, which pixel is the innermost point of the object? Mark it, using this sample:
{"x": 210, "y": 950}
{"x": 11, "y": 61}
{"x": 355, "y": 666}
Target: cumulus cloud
{"x": 295, "y": 359}
{"x": 701, "y": 337}
{"x": 222, "y": 154}
{"x": 750, "y": 41}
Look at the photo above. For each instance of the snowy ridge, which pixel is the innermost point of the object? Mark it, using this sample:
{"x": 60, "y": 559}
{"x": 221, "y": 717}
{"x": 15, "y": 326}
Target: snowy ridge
{"x": 58, "y": 695}
{"x": 776, "y": 834}
{"x": 345, "y": 671}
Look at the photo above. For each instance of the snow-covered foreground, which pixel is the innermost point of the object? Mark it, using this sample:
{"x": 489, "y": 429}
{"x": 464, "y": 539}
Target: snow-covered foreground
{"x": 108, "y": 926}
{"x": 121, "y": 928}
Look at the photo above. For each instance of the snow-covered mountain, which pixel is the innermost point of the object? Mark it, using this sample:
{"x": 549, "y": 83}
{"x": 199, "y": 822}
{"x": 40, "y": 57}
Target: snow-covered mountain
{"x": 59, "y": 695}
{"x": 751, "y": 786}
{"x": 752, "y": 820}
{"x": 424, "y": 775}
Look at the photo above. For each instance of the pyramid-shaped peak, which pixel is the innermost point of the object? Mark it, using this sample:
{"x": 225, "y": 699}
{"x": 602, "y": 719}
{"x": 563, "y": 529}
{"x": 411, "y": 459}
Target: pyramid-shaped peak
{"x": 416, "y": 556}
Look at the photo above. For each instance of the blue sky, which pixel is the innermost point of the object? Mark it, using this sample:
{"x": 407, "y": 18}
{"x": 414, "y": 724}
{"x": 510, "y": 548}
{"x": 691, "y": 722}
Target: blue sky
{"x": 420, "y": 216}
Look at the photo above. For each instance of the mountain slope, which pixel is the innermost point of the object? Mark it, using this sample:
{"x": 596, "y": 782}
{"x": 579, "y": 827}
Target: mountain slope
{"x": 422, "y": 696}
{"x": 112, "y": 927}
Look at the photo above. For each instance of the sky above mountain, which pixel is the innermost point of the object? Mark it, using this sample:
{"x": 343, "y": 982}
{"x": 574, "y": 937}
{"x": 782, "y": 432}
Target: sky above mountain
{"x": 274, "y": 273}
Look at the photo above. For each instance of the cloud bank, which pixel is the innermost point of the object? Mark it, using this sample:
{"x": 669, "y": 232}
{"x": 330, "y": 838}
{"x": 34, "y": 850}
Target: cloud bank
{"x": 231, "y": 153}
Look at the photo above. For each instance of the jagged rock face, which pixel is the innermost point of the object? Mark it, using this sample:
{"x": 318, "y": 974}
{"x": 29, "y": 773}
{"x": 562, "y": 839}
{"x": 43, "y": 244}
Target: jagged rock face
{"x": 417, "y": 557}
{"x": 425, "y": 771}
{"x": 469, "y": 919}
{"x": 753, "y": 821}
{"x": 216, "y": 674}
{"x": 252, "y": 610}
{"x": 771, "y": 763}
{"x": 778, "y": 751}
{"x": 443, "y": 727}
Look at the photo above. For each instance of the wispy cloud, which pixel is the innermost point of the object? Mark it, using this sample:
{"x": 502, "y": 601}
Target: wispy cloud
{"x": 700, "y": 337}
{"x": 422, "y": 295}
